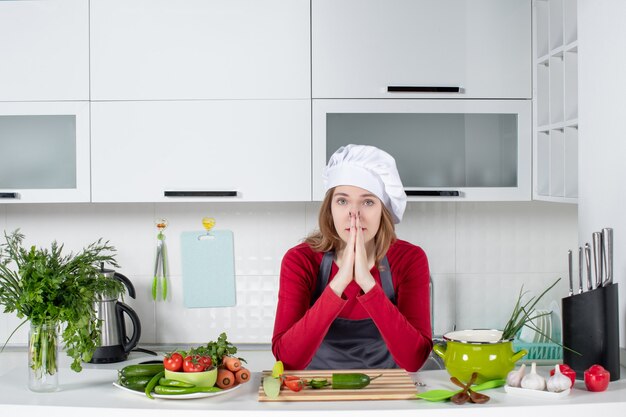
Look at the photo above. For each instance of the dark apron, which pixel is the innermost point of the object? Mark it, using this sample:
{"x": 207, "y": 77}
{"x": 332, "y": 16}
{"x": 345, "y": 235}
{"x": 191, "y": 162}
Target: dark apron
{"x": 352, "y": 344}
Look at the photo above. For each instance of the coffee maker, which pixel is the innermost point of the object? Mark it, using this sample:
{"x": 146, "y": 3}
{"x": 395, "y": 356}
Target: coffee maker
{"x": 114, "y": 344}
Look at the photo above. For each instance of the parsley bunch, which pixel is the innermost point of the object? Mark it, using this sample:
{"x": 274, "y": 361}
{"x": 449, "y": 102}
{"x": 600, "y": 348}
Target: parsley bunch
{"x": 44, "y": 286}
{"x": 216, "y": 350}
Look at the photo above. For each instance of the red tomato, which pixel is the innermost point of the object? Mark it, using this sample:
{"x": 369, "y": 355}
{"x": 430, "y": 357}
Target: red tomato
{"x": 567, "y": 371}
{"x": 206, "y": 361}
{"x": 286, "y": 378}
{"x": 294, "y": 384}
{"x": 173, "y": 362}
{"x": 192, "y": 364}
{"x": 597, "y": 378}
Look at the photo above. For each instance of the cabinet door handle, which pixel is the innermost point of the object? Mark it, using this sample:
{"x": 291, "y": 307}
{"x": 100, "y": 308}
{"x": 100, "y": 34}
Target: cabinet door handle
{"x": 9, "y": 195}
{"x": 422, "y": 89}
{"x": 200, "y": 193}
{"x": 432, "y": 193}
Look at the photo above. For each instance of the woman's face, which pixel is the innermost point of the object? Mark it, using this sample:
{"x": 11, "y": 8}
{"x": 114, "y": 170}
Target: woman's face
{"x": 349, "y": 199}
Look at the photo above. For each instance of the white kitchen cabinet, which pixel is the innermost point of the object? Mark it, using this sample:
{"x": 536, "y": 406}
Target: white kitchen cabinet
{"x": 452, "y": 150}
{"x": 215, "y": 150}
{"x": 555, "y": 132}
{"x": 361, "y": 48}
{"x": 45, "y": 152}
{"x": 44, "y": 50}
{"x": 200, "y": 49}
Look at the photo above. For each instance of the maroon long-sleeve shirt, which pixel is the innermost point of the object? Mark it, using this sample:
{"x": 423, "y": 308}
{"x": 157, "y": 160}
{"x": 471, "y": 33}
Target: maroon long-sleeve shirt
{"x": 405, "y": 327}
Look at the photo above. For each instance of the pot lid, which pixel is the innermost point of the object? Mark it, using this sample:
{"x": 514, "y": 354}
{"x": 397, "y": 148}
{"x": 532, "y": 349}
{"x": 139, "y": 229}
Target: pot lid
{"x": 478, "y": 336}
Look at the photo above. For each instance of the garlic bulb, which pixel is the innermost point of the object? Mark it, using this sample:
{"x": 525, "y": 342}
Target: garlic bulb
{"x": 558, "y": 382}
{"x": 533, "y": 380}
{"x": 514, "y": 378}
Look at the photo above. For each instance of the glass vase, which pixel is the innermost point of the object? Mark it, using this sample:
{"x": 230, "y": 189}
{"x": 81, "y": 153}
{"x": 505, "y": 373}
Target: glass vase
{"x": 43, "y": 370}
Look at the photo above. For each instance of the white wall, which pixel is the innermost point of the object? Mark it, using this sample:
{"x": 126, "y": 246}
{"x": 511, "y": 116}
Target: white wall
{"x": 480, "y": 254}
{"x": 602, "y": 142}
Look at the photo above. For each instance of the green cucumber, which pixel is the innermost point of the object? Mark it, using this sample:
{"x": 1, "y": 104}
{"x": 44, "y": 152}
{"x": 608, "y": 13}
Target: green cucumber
{"x": 317, "y": 383}
{"x": 136, "y": 383}
{"x": 166, "y": 390}
{"x": 351, "y": 381}
{"x": 148, "y": 369}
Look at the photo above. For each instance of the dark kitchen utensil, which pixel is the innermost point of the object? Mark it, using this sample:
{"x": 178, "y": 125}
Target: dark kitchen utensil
{"x": 591, "y": 330}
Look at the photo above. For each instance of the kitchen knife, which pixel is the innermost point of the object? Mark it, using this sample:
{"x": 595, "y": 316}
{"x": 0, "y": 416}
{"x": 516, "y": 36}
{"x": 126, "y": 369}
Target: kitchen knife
{"x": 607, "y": 255}
{"x": 571, "y": 273}
{"x": 588, "y": 264}
{"x": 580, "y": 270}
{"x": 597, "y": 257}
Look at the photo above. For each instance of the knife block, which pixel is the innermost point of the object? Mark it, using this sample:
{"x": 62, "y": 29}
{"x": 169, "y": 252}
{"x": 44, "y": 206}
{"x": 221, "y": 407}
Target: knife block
{"x": 591, "y": 327}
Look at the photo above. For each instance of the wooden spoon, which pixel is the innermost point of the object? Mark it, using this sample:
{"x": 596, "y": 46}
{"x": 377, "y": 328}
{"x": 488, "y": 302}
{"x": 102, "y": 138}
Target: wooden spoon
{"x": 463, "y": 396}
{"x": 477, "y": 397}
{"x": 460, "y": 397}
{"x": 474, "y": 396}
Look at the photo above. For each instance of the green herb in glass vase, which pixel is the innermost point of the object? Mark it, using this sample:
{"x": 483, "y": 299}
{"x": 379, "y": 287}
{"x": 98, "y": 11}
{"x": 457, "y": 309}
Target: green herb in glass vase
{"x": 52, "y": 291}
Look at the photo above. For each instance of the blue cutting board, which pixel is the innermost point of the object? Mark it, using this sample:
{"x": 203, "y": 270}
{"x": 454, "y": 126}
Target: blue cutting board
{"x": 208, "y": 267}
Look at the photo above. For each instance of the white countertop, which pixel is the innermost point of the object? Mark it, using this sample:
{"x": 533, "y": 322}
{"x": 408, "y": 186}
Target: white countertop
{"x": 91, "y": 393}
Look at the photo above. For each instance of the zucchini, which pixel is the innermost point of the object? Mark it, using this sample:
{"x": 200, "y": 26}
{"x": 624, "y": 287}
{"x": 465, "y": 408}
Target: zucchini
{"x": 351, "y": 381}
{"x": 149, "y": 369}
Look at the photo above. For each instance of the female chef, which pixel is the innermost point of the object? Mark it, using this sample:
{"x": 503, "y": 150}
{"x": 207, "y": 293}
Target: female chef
{"x": 352, "y": 295}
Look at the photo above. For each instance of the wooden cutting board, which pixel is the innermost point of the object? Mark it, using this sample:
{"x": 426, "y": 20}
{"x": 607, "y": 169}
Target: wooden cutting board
{"x": 394, "y": 384}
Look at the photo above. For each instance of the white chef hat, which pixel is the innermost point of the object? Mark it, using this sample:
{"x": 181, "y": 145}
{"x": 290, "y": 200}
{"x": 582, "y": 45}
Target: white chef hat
{"x": 369, "y": 168}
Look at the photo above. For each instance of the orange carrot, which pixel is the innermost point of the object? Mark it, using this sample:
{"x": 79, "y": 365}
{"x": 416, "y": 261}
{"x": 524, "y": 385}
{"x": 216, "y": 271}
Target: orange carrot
{"x": 242, "y": 375}
{"x": 232, "y": 364}
{"x": 225, "y": 378}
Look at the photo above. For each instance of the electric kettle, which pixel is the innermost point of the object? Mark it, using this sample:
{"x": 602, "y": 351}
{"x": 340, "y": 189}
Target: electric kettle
{"x": 114, "y": 345}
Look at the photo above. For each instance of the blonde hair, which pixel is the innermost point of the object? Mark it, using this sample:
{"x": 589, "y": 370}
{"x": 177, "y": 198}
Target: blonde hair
{"x": 327, "y": 239}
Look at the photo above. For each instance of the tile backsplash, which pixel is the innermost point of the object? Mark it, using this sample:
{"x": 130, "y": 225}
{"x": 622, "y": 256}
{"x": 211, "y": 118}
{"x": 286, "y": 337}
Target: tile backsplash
{"x": 480, "y": 255}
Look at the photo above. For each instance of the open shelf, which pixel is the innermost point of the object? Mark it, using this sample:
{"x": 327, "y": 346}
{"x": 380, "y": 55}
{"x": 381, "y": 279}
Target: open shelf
{"x": 556, "y": 101}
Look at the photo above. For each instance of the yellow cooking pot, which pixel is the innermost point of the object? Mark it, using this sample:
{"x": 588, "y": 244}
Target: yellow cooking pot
{"x": 481, "y": 351}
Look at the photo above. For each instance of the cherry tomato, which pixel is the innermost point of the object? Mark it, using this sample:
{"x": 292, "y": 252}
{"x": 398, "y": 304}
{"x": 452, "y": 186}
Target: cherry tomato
{"x": 597, "y": 378}
{"x": 295, "y": 384}
{"x": 192, "y": 364}
{"x": 173, "y": 362}
{"x": 567, "y": 371}
{"x": 206, "y": 361}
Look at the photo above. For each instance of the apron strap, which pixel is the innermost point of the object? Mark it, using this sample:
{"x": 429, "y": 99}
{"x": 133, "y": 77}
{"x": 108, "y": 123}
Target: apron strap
{"x": 385, "y": 280}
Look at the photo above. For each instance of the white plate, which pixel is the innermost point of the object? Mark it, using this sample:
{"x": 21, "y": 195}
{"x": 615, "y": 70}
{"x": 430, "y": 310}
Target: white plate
{"x": 533, "y": 393}
{"x": 179, "y": 397}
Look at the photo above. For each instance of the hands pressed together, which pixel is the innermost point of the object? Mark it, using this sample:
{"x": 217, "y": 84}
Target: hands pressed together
{"x": 354, "y": 264}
